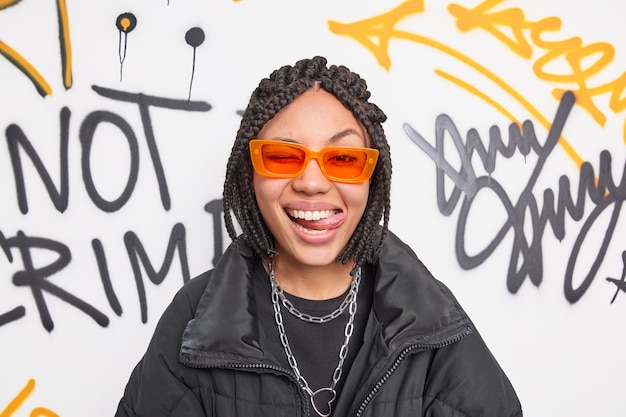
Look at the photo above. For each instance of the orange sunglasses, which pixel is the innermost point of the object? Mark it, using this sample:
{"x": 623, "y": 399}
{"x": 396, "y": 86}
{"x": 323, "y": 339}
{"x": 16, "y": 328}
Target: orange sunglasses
{"x": 278, "y": 159}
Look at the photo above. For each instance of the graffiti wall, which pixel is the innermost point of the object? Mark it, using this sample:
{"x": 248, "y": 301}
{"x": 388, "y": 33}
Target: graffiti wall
{"x": 507, "y": 123}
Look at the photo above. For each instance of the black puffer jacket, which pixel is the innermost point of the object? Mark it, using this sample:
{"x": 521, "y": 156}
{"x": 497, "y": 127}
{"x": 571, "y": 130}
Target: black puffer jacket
{"x": 421, "y": 355}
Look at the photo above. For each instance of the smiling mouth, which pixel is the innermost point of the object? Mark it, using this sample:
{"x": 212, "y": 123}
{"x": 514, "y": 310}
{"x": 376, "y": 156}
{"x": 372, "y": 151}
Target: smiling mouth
{"x": 313, "y": 221}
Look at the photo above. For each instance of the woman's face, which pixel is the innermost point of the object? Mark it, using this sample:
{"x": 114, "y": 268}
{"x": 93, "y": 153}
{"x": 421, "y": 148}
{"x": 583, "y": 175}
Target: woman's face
{"x": 311, "y": 217}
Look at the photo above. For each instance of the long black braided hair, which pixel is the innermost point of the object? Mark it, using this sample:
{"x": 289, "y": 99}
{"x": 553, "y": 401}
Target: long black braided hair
{"x": 271, "y": 95}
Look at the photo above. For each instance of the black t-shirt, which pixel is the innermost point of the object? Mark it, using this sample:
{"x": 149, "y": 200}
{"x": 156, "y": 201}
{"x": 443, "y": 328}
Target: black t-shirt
{"x": 315, "y": 346}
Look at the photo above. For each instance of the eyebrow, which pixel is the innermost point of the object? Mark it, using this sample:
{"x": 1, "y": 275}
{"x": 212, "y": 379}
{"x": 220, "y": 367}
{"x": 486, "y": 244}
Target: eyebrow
{"x": 340, "y": 135}
{"x": 334, "y": 138}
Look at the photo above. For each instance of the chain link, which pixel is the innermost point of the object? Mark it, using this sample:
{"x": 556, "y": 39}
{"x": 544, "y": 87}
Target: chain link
{"x": 317, "y": 319}
{"x": 350, "y": 300}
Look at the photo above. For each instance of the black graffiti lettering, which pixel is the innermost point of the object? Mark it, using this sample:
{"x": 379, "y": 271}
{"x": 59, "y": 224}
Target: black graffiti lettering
{"x": 36, "y": 278}
{"x": 5, "y": 248}
{"x": 619, "y": 283}
{"x": 145, "y": 102}
{"x": 216, "y": 208}
{"x": 137, "y": 254}
{"x": 606, "y": 194}
{"x": 103, "y": 268}
{"x": 39, "y": 279}
{"x": 15, "y": 138}
{"x": 465, "y": 181}
{"x": 18, "y": 312}
{"x": 87, "y": 131}
{"x": 526, "y": 259}
{"x": 19, "y": 144}
{"x": 13, "y": 315}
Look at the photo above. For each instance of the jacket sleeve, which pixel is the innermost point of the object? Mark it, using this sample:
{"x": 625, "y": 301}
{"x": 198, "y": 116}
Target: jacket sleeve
{"x": 157, "y": 386}
{"x": 469, "y": 382}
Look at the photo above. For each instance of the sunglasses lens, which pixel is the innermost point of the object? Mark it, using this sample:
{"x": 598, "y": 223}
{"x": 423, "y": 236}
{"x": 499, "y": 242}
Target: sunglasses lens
{"x": 282, "y": 159}
{"x": 346, "y": 164}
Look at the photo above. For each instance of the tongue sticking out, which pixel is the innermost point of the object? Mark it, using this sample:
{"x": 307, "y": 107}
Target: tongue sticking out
{"x": 334, "y": 220}
{"x": 315, "y": 224}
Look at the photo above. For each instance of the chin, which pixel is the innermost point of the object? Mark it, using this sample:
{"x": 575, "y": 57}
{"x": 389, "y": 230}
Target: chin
{"x": 312, "y": 255}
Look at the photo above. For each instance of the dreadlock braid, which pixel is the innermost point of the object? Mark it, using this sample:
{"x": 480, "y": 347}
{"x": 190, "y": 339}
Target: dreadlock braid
{"x": 282, "y": 87}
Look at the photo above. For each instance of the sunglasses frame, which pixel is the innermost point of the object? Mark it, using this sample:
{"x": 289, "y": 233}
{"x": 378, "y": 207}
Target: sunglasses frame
{"x": 255, "y": 146}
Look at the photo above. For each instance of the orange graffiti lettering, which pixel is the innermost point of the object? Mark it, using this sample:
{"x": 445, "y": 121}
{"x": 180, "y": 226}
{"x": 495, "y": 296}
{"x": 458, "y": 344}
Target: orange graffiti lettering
{"x": 379, "y": 26}
{"x": 42, "y": 412}
{"x": 579, "y": 74}
{"x": 6, "y": 3}
{"x": 21, "y": 397}
{"x": 23, "y": 65}
{"x": 66, "y": 44}
{"x": 40, "y": 83}
{"x": 572, "y": 51}
{"x": 383, "y": 28}
{"x": 494, "y": 23}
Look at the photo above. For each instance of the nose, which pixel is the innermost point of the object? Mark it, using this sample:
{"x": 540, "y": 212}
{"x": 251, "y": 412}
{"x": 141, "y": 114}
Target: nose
{"x": 312, "y": 180}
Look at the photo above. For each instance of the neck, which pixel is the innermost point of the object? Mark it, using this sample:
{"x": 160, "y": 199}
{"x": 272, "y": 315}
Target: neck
{"x": 313, "y": 282}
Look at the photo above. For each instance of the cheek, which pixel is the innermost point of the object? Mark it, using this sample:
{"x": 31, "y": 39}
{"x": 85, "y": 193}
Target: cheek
{"x": 355, "y": 197}
{"x": 267, "y": 191}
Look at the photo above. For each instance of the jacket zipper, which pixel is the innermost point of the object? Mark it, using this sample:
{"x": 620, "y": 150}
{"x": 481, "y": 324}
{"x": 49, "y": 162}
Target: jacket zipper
{"x": 237, "y": 365}
{"x": 403, "y": 354}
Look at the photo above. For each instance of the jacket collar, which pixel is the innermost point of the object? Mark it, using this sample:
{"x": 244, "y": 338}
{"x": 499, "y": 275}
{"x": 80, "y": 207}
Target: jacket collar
{"x": 410, "y": 305}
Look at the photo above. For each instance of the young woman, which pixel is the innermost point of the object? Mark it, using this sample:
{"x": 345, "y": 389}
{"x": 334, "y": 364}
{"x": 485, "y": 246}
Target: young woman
{"x": 316, "y": 309}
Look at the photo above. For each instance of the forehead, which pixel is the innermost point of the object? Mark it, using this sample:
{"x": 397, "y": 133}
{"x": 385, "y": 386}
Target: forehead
{"x": 316, "y": 115}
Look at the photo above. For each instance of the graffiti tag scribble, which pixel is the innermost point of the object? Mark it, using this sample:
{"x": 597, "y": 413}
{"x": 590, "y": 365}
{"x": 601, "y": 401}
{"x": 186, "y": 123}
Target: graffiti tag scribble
{"x": 526, "y": 256}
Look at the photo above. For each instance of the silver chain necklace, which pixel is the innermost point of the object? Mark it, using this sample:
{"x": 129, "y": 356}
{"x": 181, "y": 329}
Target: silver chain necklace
{"x": 317, "y": 319}
{"x": 343, "y": 352}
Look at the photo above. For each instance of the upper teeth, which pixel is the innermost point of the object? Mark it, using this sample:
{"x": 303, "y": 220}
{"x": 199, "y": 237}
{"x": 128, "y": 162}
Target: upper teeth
{"x": 310, "y": 215}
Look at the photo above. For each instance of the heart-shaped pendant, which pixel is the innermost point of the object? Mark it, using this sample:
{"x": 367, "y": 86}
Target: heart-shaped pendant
{"x": 329, "y": 402}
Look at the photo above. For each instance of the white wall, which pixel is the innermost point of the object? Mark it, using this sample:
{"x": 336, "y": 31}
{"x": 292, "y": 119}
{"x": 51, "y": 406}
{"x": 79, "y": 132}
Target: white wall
{"x": 68, "y": 344}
